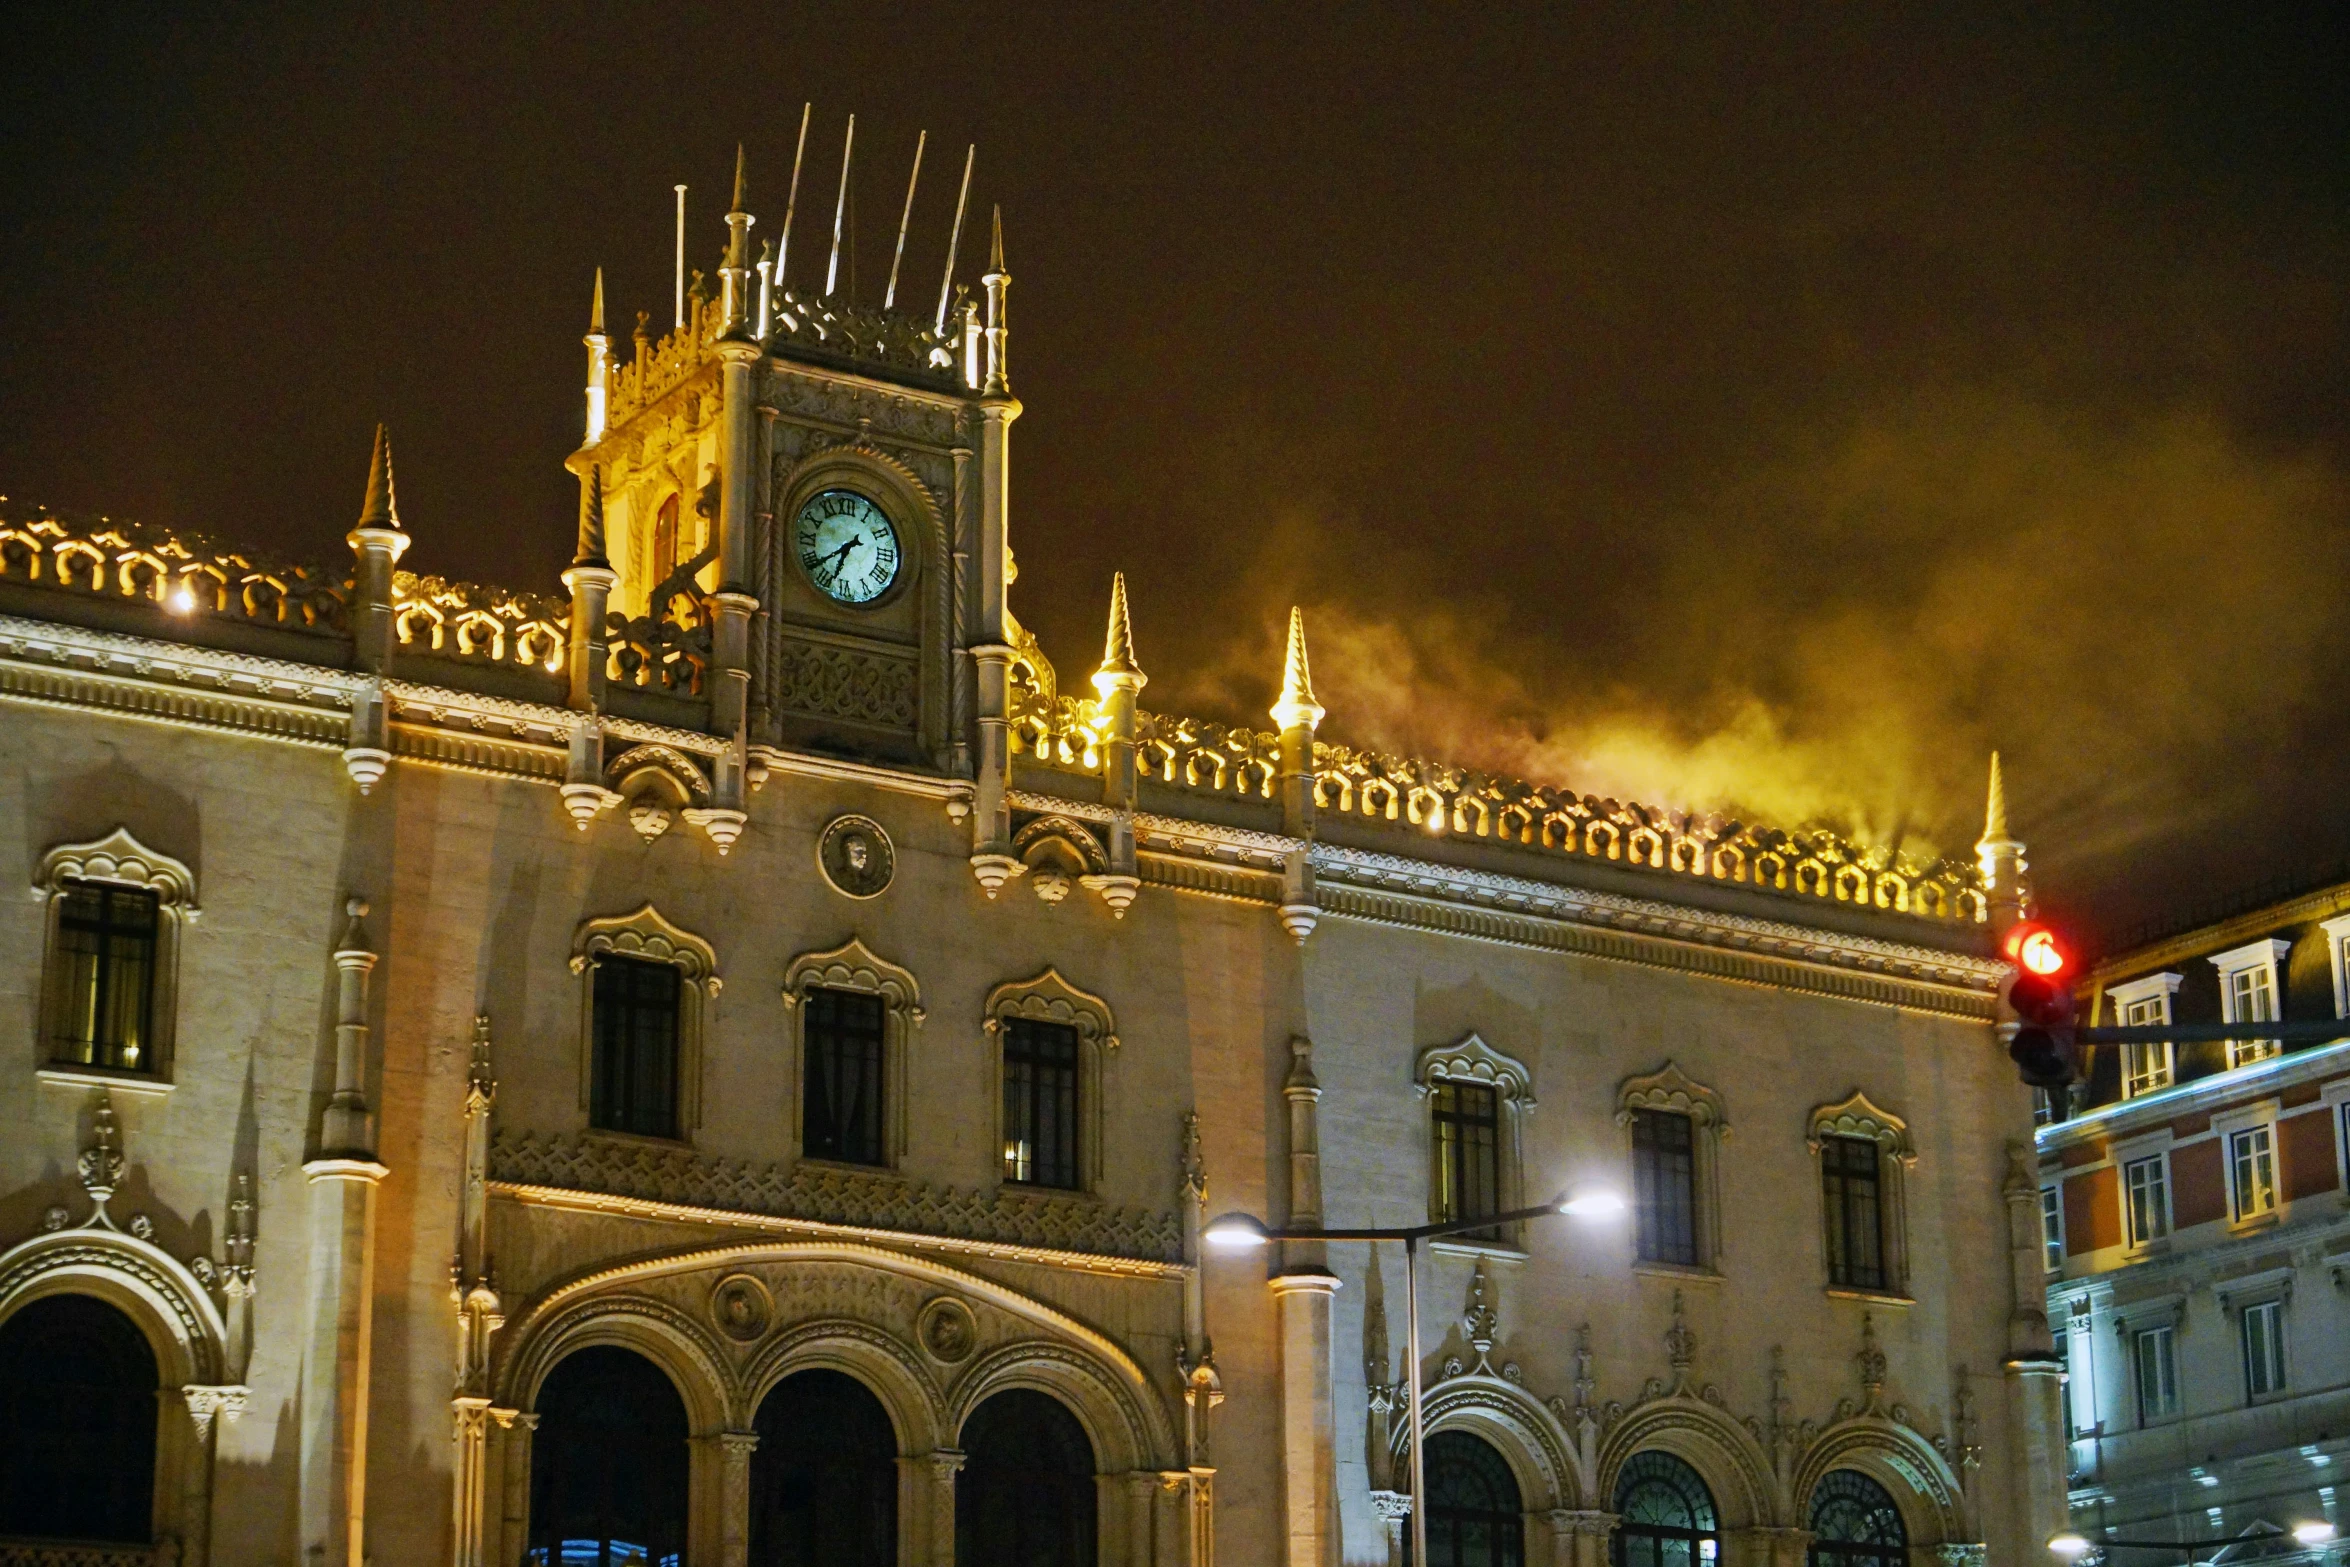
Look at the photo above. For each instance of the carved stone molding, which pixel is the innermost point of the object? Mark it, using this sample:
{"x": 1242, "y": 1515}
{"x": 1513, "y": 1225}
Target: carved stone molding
{"x": 1038, "y": 1221}
{"x": 1857, "y": 1117}
{"x": 1470, "y": 1059}
{"x": 1672, "y": 1089}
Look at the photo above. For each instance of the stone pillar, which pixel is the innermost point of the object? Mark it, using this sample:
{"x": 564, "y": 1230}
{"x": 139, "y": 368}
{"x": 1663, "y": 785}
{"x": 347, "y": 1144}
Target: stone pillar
{"x": 2036, "y": 1434}
{"x": 945, "y": 1464}
{"x": 471, "y": 1522}
{"x": 515, "y": 1431}
{"x": 208, "y": 1406}
{"x": 1167, "y": 1518}
{"x": 1202, "y": 1533}
{"x": 1580, "y": 1538}
{"x": 1395, "y": 1511}
{"x": 1309, "y": 1444}
{"x": 1141, "y": 1485}
{"x": 336, "y": 1351}
{"x": 338, "y": 1341}
{"x": 991, "y": 821}
{"x": 734, "y": 1497}
{"x": 1768, "y": 1547}
{"x": 376, "y": 545}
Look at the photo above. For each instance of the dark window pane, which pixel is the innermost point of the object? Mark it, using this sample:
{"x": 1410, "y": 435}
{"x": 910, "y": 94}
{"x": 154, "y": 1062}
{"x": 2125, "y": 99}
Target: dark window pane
{"x": 824, "y": 1477}
{"x": 1848, "y": 1175}
{"x": 102, "y": 979}
{"x": 1855, "y": 1523}
{"x": 1475, "y": 1516}
{"x": 1468, "y": 1153}
{"x": 77, "y": 1423}
{"x": 608, "y": 1465}
{"x": 633, "y": 1087}
{"x": 1668, "y": 1517}
{"x": 1040, "y": 1103}
{"x": 1025, "y": 1497}
{"x": 1664, "y": 1186}
{"x": 841, "y": 1087}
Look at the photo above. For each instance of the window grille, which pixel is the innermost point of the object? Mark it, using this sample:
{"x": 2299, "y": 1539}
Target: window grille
{"x": 1468, "y": 1153}
{"x": 103, "y": 978}
{"x": 841, "y": 1078}
{"x": 1664, "y": 1186}
{"x": 634, "y": 1083}
{"x": 1853, "y": 1188}
{"x": 1040, "y": 1103}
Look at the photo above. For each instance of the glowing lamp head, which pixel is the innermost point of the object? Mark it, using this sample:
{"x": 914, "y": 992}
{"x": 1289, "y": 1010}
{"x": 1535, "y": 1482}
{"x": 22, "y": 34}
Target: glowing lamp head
{"x": 2069, "y": 1546}
{"x": 1234, "y": 1232}
{"x": 1594, "y": 1203}
{"x": 2033, "y": 948}
{"x": 2313, "y": 1533}
{"x": 181, "y": 602}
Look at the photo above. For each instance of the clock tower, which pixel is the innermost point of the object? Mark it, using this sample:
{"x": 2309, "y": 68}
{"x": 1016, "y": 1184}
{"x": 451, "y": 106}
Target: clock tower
{"x": 802, "y": 504}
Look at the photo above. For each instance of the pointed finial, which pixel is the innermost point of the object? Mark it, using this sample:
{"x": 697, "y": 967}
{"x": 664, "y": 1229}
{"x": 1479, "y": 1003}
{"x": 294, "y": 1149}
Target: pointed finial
{"x": 1118, "y": 666}
{"x": 596, "y": 310}
{"x": 381, "y": 510}
{"x": 1297, "y": 708}
{"x": 738, "y": 177}
{"x": 1995, "y": 812}
{"x": 995, "y": 254}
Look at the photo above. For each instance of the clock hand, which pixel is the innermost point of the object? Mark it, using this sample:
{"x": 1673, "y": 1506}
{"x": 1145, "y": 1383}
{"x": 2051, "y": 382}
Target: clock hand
{"x": 834, "y": 559}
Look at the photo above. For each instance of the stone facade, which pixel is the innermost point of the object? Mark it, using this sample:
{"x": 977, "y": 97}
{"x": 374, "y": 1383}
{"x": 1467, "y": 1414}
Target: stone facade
{"x": 2198, "y": 1232}
{"x": 354, "y": 1192}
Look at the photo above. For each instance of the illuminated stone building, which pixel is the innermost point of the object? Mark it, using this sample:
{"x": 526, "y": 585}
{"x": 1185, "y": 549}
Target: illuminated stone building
{"x": 726, "y": 1059}
{"x": 2197, "y": 1236}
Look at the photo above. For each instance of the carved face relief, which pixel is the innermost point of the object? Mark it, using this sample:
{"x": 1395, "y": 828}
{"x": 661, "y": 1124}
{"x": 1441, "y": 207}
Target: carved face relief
{"x": 847, "y": 546}
{"x": 947, "y": 1330}
{"x": 741, "y": 1308}
{"x": 856, "y": 856}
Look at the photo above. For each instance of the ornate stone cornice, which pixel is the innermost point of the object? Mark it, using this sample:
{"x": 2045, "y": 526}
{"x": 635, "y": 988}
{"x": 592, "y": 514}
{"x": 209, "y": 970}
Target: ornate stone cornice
{"x": 664, "y": 1182}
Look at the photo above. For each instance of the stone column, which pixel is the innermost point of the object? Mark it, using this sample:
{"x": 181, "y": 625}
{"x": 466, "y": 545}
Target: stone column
{"x": 945, "y": 1464}
{"x": 208, "y": 1406}
{"x": 1140, "y": 1485}
{"x": 1395, "y": 1510}
{"x": 338, "y": 1343}
{"x": 1202, "y": 1533}
{"x": 1768, "y": 1547}
{"x": 1309, "y": 1445}
{"x": 734, "y": 1496}
{"x": 1167, "y": 1518}
{"x": 515, "y": 1432}
{"x": 470, "y": 1523}
{"x": 1578, "y": 1537}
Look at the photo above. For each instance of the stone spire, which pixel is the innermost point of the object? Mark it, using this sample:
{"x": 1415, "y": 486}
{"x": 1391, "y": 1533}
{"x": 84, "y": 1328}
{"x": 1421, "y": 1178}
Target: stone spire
{"x": 599, "y": 347}
{"x": 380, "y": 510}
{"x": 998, "y": 283}
{"x": 1297, "y": 707}
{"x": 1118, "y": 666}
{"x": 735, "y": 275}
{"x": 2001, "y": 856}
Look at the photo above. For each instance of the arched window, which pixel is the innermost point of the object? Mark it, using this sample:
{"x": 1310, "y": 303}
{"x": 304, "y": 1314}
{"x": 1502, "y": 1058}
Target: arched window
{"x": 1475, "y": 1516}
{"x": 1025, "y": 1497}
{"x": 1854, "y": 1523}
{"x": 1668, "y": 1514}
{"x": 77, "y": 1423}
{"x": 608, "y": 1467}
{"x": 824, "y": 1478}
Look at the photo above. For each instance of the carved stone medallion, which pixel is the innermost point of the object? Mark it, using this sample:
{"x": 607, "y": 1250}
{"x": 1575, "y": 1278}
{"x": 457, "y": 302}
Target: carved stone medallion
{"x": 947, "y": 1330}
{"x": 856, "y": 856}
{"x": 742, "y": 1308}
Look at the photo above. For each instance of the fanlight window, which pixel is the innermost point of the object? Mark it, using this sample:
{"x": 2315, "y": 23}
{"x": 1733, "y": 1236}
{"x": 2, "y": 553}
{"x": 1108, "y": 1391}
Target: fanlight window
{"x": 1854, "y": 1523}
{"x": 1668, "y": 1515}
{"x": 1475, "y": 1515}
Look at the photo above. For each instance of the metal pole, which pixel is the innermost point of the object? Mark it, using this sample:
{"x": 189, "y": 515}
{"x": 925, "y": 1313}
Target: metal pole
{"x": 1411, "y": 1299}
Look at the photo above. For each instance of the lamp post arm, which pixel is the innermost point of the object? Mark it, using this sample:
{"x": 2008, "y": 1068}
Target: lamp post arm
{"x": 1417, "y": 1232}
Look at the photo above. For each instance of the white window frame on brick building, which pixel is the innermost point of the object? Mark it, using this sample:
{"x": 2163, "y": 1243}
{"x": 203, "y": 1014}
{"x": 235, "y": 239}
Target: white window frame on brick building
{"x": 2052, "y": 1227}
{"x": 2146, "y": 1068}
{"x": 2251, "y": 991}
{"x": 2146, "y": 1209}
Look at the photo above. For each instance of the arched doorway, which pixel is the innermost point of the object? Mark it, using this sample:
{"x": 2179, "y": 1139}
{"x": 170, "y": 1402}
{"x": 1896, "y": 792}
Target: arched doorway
{"x": 824, "y": 1478}
{"x": 1856, "y": 1523}
{"x": 1475, "y": 1515}
{"x": 608, "y": 1465}
{"x": 77, "y": 1423}
{"x": 1668, "y": 1515}
{"x": 1025, "y": 1497}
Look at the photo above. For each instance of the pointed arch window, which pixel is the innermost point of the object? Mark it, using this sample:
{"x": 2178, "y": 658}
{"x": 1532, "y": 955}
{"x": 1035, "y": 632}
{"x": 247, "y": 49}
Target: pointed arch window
{"x": 1855, "y": 1523}
{"x": 1864, "y": 1155}
{"x": 1667, "y": 1514}
{"x": 645, "y": 995}
{"x": 1478, "y": 1099}
{"x": 1676, "y": 1126}
{"x": 110, "y": 979}
{"x": 856, "y": 1017}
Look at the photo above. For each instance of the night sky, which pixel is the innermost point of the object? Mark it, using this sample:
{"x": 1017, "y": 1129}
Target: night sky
{"x": 1773, "y": 409}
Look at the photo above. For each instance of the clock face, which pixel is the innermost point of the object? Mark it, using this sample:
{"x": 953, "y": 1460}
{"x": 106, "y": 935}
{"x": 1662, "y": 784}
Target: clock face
{"x": 847, "y": 547}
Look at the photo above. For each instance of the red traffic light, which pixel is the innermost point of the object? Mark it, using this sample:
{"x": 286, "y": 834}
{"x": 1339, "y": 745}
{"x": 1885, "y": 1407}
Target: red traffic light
{"x": 2033, "y": 947}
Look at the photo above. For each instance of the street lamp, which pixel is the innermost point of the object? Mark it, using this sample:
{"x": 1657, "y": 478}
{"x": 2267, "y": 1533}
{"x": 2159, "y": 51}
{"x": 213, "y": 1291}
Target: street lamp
{"x": 2072, "y": 1546}
{"x": 1242, "y": 1231}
